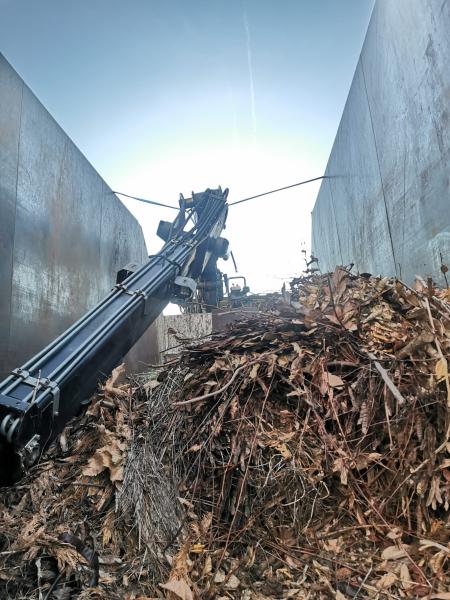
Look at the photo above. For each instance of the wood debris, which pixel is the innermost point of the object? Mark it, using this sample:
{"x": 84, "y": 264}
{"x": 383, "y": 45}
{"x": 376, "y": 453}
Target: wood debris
{"x": 302, "y": 453}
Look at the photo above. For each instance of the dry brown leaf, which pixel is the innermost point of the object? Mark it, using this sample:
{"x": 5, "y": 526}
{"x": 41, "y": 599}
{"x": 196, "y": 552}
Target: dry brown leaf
{"x": 284, "y": 451}
{"x": 363, "y": 460}
{"x": 195, "y": 448}
{"x": 395, "y": 552}
{"x": 343, "y": 573}
{"x": 232, "y": 582}
{"x": 206, "y": 522}
{"x": 110, "y": 388}
{"x": 179, "y": 588}
{"x": 334, "y": 380}
{"x": 405, "y": 577}
{"x": 441, "y": 370}
{"x": 207, "y": 567}
{"x": 386, "y": 581}
{"x": 333, "y": 545}
{"x": 254, "y": 371}
{"x": 340, "y": 466}
{"x": 220, "y": 576}
{"x": 432, "y": 544}
{"x": 109, "y": 457}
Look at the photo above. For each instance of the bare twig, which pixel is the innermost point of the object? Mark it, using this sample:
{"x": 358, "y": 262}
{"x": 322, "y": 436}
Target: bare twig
{"x": 387, "y": 380}
{"x": 223, "y": 388}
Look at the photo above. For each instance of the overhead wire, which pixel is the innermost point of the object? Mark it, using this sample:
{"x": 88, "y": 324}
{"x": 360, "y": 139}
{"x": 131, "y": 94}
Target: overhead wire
{"x": 147, "y": 201}
{"x": 286, "y": 187}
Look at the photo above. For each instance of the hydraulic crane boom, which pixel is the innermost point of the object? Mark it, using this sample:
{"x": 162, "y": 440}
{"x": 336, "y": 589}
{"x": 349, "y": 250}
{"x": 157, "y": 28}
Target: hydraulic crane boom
{"x": 38, "y": 399}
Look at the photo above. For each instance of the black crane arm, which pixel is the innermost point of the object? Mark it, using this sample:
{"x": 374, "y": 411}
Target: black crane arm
{"x": 38, "y": 399}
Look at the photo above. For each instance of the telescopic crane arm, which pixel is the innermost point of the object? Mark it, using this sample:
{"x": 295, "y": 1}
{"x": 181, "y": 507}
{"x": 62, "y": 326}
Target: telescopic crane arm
{"x": 39, "y": 398}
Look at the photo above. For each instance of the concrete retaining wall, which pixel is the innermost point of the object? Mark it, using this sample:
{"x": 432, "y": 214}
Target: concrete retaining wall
{"x": 386, "y": 206}
{"x": 173, "y": 331}
{"x": 63, "y": 233}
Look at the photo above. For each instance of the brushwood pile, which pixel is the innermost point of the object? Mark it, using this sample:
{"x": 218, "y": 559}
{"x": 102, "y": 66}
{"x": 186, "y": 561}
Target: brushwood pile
{"x": 304, "y": 452}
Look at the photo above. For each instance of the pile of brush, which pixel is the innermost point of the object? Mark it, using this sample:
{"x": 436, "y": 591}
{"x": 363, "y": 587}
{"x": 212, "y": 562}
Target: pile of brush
{"x": 302, "y": 453}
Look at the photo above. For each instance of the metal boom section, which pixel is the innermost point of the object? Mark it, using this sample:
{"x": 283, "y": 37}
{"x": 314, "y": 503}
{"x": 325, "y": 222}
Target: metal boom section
{"x": 39, "y": 398}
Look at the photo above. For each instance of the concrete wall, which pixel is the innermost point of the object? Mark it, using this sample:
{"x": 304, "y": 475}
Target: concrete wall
{"x": 175, "y": 330}
{"x": 63, "y": 233}
{"x": 172, "y": 332}
{"x": 386, "y": 206}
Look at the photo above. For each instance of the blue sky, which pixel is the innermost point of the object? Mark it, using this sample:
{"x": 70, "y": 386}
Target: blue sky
{"x": 170, "y": 96}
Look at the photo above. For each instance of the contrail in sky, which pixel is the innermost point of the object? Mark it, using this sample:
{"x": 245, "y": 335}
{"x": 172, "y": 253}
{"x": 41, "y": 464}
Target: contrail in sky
{"x": 250, "y": 72}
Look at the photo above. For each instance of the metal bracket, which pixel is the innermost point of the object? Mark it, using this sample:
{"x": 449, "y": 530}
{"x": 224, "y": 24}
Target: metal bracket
{"x": 55, "y": 393}
{"x": 123, "y": 288}
{"x": 174, "y": 263}
{"x": 186, "y": 282}
{"x": 146, "y": 300}
{"x": 141, "y": 293}
{"x": 169, "y": 260}
{"x": 39, "y": 383}
{"x": 30, "y": 452}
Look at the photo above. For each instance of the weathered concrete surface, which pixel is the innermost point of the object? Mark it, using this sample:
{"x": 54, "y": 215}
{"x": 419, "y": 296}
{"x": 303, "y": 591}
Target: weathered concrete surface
{"x": 175, "y": 330}
{"x": 172, "y": 332}
{"x": 386, "y": 206}
{"x": 63, "y": 233}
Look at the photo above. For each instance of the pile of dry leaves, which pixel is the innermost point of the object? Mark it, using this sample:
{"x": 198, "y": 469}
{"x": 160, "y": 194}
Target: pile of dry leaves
{"x": 302, "y": 453}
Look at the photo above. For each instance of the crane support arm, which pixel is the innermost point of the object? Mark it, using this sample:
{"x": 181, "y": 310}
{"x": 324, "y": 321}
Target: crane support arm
{"x": 39, "y": 398}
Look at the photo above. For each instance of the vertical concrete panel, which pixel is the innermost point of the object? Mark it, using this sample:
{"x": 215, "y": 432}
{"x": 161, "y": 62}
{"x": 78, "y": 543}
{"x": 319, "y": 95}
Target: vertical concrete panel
{"x": 356, "y": 194}
{"x": 64, "y": 234}
{"x": 10, "y": 110}
{"x": 391, "y": 157}
{"x": 406, "y": 66}
{"x": 56, "y": 233}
